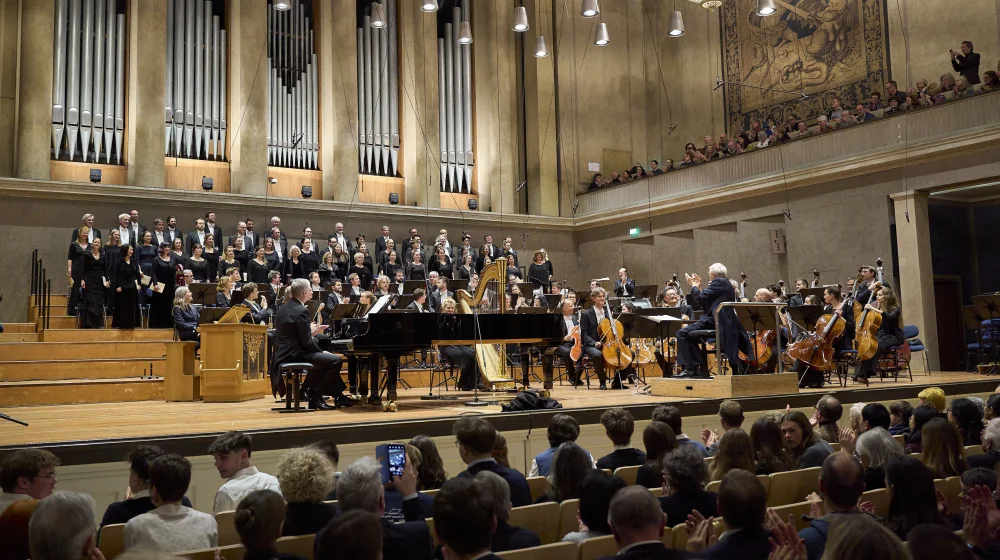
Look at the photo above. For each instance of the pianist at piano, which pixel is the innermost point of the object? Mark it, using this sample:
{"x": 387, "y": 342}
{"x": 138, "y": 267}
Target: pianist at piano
{"x": 463, "y": 357}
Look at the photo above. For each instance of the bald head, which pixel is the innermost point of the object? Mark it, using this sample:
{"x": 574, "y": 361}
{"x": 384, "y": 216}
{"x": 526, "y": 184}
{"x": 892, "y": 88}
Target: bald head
{"x": 635, "y": 516}
{"x": 842, "y": 480}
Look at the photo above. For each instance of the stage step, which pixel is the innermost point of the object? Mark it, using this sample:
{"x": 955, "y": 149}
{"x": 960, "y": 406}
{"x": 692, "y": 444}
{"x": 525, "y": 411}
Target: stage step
{"x": 66, "y": 322}
{"x": 53, "y": 370}
{"x": 105, "y": 335}
{"x": 18, "y": 327}
{"x": 56, "y": 300}
{"x": 115, "y": 350}
{"x": 18, "y": 337}
{"x": 37, "y": 393}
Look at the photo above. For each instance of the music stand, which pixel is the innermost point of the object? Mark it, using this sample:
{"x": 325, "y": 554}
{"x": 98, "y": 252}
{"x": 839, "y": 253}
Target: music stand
{"x": 233, "y": 314}
{"x": 237, "y": 298}
{"x": 664, "y": 324}
{"x": 404, "y": 301}
{"x": 552, "y": 300}
{"x": 806, "y": 292}
{"x": 411, "y": 285}
{"x": 342, "y": 310}
{"x": 805, "y": 316}
{"x": 646, "y": 291}
{"x": 527, "y": 288}
{"x": 758, "y": 317}
{"x": 455, "y": 285}
{"x": 211, "y": 314}
{"x": 528, "y": 310}
{"x": 203, "y": 293}
{"x": 583, "y": 300}
{"x": 973, "y": 321}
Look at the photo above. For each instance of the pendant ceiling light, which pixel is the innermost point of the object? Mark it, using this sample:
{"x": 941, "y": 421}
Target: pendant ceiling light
{"x": 465, "y": 33}
{"x": 709, "y": 4}
{"x": 602, "y": 35}
{"x": 520, "y": 19}
{"x": 676, "y": 24}
{"x": 378, "y": 16}
{"x": 766, "y": 8}
{"x": 590, "y": 9}
{"x": 541, "y": 50}
{"x": 429, "y": 6}
{"x": 282, "y": 6}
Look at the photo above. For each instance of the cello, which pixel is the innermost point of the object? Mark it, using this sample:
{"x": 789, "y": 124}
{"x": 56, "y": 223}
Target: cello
{"x": 868, "y": 323}
{"x": 816, "y": 348}
{"x": 577, "y": 350}
{"x": 617, "y": 354}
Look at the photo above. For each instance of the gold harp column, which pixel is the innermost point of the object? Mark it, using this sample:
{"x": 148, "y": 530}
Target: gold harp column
{"x": 338, "y": 102}
{"x": 34, "y": 102}
{"x": 247, "y": 122}
{"x": 420, "y": 164}
{"x": 147, "y": 58}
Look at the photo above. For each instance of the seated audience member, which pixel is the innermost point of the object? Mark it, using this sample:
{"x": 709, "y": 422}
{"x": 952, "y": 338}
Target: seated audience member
{"x": 807, "y": 450}
{"x": 912, "y": 500}
{"x": 353, "y": 535}
{"x": 332, "y": 454}
{"x": 828, "y": 413}
{"x": 500, "y": 450}
{"x": 658, "y": 439}
{"x": 27, "y": 474}
{"x": 730, "y": 417}
{"x": 768, "y": 446}
{"x": 171, "y": 527}
{"x": 684, "y": 478}
{"x": 596, "y": 491}
{"x": 562, "y": 428}
{"x": 971, "y": 479}
{"x": 637, "y": 525}
{"x": 403, "y": 500}
{"x": 742, "y": 504}
{"x": 63, "y": 528}
{"x": 139, "y": 460}
{"x": 991, "y": 409}
{"x": 464, "y": 520}
{"x": 862, "y": 536}
{"x": 841, "y": 483}
{"x": 360, "y": 488}
{"x": 734, "y": 452}
{"x": 671, "y": 416}
{"x": 899, "y": 416}
{"x": 570, "y": 465}
{"x": 921, "y": 416}
{"x": 619, "y": 427}
{"x": 430, "y": 474}
{"x": 506, "y": 536}
{"x": 968, "y": 418}
{"x": 942, "y": 449}
{"x": 15, "y": 524}
{"x": 934, "y": 396}
{"x": 933, "y": 542}
{"x": 258, "y": 521}
{"x": 879, "y": 447}
{"x": 306, "y": 478}
{"x": 232, "y": 459}
{"x": 991, "y": 446}
{"x": 875, "y": 415}
{"x": 475, "y": 437}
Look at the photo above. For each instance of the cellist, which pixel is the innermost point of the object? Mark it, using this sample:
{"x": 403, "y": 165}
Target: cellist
{"x": 833, "y": 302}
{"x": 890, "y": 332}
{"x": 592, "y": 344}
{"x": 568, "y": 323}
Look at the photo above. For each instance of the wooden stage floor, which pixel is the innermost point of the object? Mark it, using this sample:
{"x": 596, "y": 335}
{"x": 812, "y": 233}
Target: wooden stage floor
{"x": 76, "y": 424}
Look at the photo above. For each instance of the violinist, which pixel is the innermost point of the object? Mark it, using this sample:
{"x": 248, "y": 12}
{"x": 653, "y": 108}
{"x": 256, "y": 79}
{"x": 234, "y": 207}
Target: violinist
{"x": 568, "y": 323}
{"x": 890, "y": 332}
{"x": 624, "y": 286}
{"x": 592, "y": 343}
{"x": 718, "y": 291}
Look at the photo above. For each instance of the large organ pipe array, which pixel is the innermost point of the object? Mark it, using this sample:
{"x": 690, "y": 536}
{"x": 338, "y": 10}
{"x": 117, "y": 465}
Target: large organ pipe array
{"x": 293, "y": 107}
{"x": 455, "y": 104}
{"x": 378, "y": 92}
{"x": 196, "y": 80}
{"x": 88, "y": 86}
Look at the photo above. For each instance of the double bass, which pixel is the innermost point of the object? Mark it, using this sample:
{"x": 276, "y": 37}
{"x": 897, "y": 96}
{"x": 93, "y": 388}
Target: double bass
{"x": 868, "y": 323}
{"x": 761, "y": 342}
{"x": 816, "y": 348}
{"x": 617, "y": 354}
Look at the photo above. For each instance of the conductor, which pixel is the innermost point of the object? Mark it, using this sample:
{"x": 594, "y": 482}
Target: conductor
{"x": 294, "y": 341}
{"x": 719, "y": 290}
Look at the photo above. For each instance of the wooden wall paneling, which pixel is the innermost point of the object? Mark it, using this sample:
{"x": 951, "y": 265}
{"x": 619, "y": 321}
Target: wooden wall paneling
{"x": 375, "y": 189}
{"x": 78, "y": 172}
{"x": 458, "y": 201}
{"x": 290, "y": 182}
{"x": 186, "y": 174}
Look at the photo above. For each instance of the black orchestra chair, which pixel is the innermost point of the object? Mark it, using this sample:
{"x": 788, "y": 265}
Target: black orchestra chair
{"x": 704, "y": 337}
{"x": 894, "y": 361}
{"x": 446, "y": 368}
{"x": 293, "y": 375}
{"x": 843, "y": 361}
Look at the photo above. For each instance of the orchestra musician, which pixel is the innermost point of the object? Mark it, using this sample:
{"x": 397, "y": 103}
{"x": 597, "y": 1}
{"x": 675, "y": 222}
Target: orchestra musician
{"x": 440, "y": 294}
{"x": 259, "y": 313}
{"x": 355, "y": 281}
{"x": 867, "y": 286}
{"x": 624, "y": 286}
{"x": 463, "y": 357}
{"x": 795, "y": 299}
{"x": 356, "y": 366}
{"x": 718, "y": 291}
{"x": 224, "y": 295}
{"x": 382, "y": 287}
{"x": 673, "y": 299}
{"x": 589, "y": 320}
{"x": 890, "y": 332}
{"x": 833, "y": 302}
{"x": 295, "y": 341}
{"x": 419, "y": 302}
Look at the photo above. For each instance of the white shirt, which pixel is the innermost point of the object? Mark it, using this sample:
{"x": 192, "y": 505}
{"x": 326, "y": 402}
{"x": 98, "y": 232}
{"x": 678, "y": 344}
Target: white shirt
{"x": 124, "y": 233}
{"x": 600, "y": 314}
{"x": 161, "y": 237}
{"x": 8, "y": 499}
{"x": 569, "y": 324}
{"x": 342, "y": 240}
{"x": 201, "y": 238}
{"x": 171, "y": 528}
{"x": 241, "y": 484}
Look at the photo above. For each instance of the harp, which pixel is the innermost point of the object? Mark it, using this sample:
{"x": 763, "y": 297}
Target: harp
{"x": 489, "y": 298}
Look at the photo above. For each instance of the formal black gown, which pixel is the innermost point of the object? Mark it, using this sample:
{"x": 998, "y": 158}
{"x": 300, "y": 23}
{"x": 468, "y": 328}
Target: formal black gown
{"x": 310, "y": 262}
{"x": 92, "y": 299}
{"x": 126, "y": 314}
{"x": 389, "y": 269}
{"x": 199, "y": 269}
{"x": 273, "y": 262}
{"x": 76, "y": 252}
{"x": 442, "y": 268}
{"x": 538, "y": 275}
{"x": 293, "y": 270}
{"x": 416, "y": 271}
{"x": 161, "y": 303}
{"x": 224, "y": 265}
{"x": 256, "y": 272}
{"x": 112, "y": 257}
{"x": 213, "y": 265}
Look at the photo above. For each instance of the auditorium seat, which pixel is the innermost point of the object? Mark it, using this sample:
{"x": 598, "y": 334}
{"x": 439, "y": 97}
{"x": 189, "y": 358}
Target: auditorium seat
{"x": 950, "y": 488}
{"x": 568, "y": 521}
{"x": 598, "y": 547}
{"x": 792, "y": 487}
{"x": 543, "y": 519}
{"x": 226, "y": 520}
{"x": 231, "y": 552}
{"x": 973, "y": 450}
{"x": 538, "y": 485}
{"x": 430, "y": 525}
{"x": 301, "y": 545}
{"x": 628, "y": 474}
{"x": 900, "y": 438}
{"x": 879, "y": 500}
{"x": 554, "y": 551}
{"x": 112, "y": 539}
{"x": 764, "y": 479}
{"x": 796, "y": 510}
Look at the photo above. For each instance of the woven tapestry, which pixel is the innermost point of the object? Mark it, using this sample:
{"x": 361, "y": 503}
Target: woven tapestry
{"x": 824, "y": 48}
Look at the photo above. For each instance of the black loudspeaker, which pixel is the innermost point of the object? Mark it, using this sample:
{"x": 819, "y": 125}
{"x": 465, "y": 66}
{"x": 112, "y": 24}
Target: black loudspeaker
{"x": 307, "y": 191}
{"x": 206, "y": 183}
{"x": 473, "y": 204}
{"x": 95, "y": 175}
{"x": 393, "y": 198}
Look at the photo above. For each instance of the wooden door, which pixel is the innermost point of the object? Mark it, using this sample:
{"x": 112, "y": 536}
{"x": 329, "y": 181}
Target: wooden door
{"x": 951, "y": 339}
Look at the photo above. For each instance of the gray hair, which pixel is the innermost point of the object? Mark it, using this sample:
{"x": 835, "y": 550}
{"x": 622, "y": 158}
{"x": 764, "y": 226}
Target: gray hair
{"x": 492, "y": 484}
{"x": 718, "y": 269}
{"x": 685, "y": 469}
{"x": 299, "y": 287}
{"x": 879, "y": 447}
{"x": 634, "y": 508}
{"x": 124, "y": 216}
{"x": 85, "y": 216}
{"x": 856, "y": 409}
{"x": 992, "y": 433}
{"x": 61, "y": 525}
{"x": 360, "y": 485}
{"x": 179, "y": 294}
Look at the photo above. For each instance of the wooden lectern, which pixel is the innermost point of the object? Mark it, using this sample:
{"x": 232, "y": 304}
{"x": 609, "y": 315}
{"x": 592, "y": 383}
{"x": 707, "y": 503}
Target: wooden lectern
{"x": 233, "y": 359}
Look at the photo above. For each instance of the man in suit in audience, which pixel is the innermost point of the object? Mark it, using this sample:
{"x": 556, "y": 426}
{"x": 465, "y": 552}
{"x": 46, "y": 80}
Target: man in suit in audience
{"x": 506, "y": 536}
{"x": 476, "y": 437}
{"x": 742, "y": 505}
{"x": 360, "y": 487}
{"x": 382, "y": 241}
{"x": 619, "y": 426}
{"x": 465, "y": 520}
{"x": 135, "y": 228}
{"x": 173, "y": 231}
{"x": 198, "y": 236}
{"x": 88, "y": 220}
{"x": 212, "y": 228}
{"x": 638, "y": 524}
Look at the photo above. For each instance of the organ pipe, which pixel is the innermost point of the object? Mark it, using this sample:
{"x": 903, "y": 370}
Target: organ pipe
{"x": 378, "y": 91}
{"x": 455, "y": 105}
{"x": 195, "y": 86}
{"x": 88, "y": 82}
{"x": 466, "y": 51}
{"x": 442, "y": 116}
{"x": 292, "y": 89}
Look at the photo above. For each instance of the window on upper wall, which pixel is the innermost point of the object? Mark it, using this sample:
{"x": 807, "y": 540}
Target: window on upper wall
{"x": 455, "y": 93}
{"x": 195, "y": 87}
{"x": 378, "y": 88}
{"x": 88, "y": 85}
{"x": 292, "y": 86}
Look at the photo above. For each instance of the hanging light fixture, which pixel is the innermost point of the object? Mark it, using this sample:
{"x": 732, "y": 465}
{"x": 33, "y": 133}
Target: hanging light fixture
{"x": 766, "y": 8}
{"x": 378, "y": 15}
{"x": 282, "y": 6}
{"x": 602, "y": 38}
{"x": 710, "y": 4}
{"x": 520, "y": 19}
{"x": 465, "y": 33}
{"x": 590, "y": 9}
{"x": 429, "y": 6}
{"x": 541, "y": 50}
{"x": 676, "y": 24}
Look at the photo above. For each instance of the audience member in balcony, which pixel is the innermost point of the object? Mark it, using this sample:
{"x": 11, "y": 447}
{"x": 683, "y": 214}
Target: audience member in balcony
{"x": 846, "y": 120}
{"x": 505, "y": 536}
{"x": 658, "y": 439}
{"x": 835, "y": 109}
{"x": 769, "y": 448}
{"x": 686, "y": 161}
{"x": 615, "y": 179}
{"x": 306, "y": 478}
{"x": 802, "y": 131}
{"x": 685, "y": 474}
{"x": 596, "y": 492}
{"x": 947, "y": 81}
{"x": 654, "y": 166}
{"x": 892, "y": 92}
{"x": 823, "y": 125}
{"x": 991, "y": 81}
{"x": 258, "y": 521}
{"x": 637, "y": 171}
{"x": 668, "y": 166}
{"x": 875, "y": 103}
{"x": 430, "y": 474}
{"x": 597, "y": 182}
{"x": 863, "y": 114}
{"x": 894, "y": 106}
{"x": 733, "y": 148}
{"x": 942, "y": 449}
{"x": 626, "y": 176}
{"x": 711, "y": 153}
{"x": 966, "y": 62}
{"x": 912, "y": 498}
{"x": 962, "y": 88}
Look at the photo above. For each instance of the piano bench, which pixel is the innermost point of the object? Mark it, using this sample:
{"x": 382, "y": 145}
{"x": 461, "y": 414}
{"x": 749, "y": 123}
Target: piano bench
{"x": 293, "y": 374}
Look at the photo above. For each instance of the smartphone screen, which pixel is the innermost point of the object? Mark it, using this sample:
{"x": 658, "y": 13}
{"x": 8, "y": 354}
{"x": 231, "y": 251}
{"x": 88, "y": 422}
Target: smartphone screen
{"x": 397, "y": 459}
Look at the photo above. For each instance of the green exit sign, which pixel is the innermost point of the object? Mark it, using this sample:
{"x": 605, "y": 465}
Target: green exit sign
{"x": 634, "y": 232}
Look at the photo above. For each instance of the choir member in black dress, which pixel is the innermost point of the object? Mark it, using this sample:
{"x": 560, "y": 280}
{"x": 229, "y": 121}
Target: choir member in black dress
{"x": 415, "y": 270}
{"x": 391, "y": 265}
{"x": 112, "y": 255}
{"x": 343, "y": 261}
{"x": 240, "y": 253}
{"x": 271, "y": 255}
{"x": 382, "y": 256}
{"x": 359, "y": 268}
{"x": 197, "y": 264}
{"x": 227, "y": 262}
{"x": 257, "y": 267}
{"x": 368, "y": 262}
{"x": 441, "y": 264}
{"x": 177, "y": 253}
{"x": 548, "y": 263}
{"x": 211, "y": 254}
{"x": 309, "y": 257}
{"x": 512, "y": 269}
{"x": 74, "y": 268}
{"x": 890, "y": 332}
{"x": 327, "y": 269}
{"x": 93, "y": 284}
{"x": 294, "y": 267}
{"x": 126, "y": 287}
{"x": 465, "y": 270}
{"x": 161, "y": 301}
{"x": 185, "y": 316}
{"x": 224, "y": 294}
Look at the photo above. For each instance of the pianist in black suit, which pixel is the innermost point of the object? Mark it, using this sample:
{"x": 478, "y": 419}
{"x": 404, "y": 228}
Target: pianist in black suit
{"x": 463, "y": 357}
{"x": 464, "y": 520}
{"x": 718, "y": 291}
{"x": 294, "y": 341}
{"x": 624, "y": 286}
{"x": 568, "y": 323}
{"x": 637, "y": 524}
{"x": 589, "y": 320}
{"x": 185, "y": 316}
{"x": 476, "y": 437}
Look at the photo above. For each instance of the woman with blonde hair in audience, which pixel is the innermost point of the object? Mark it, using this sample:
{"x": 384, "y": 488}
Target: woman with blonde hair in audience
{"x": 942, "y": 449}
{"x": 912, "y": 498}
{"x": 735, "y": 452}
{"x": 258, "y": 520}
{"x": 658, "y": 440}
{"x": 862, "y": 536}
{"x": 306, "y": 477}
{"x": 879, "y": 448}
{"x": 430, "y": 473}
{"x": 768, "y": 448}
{"x": 962, "y": 89}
